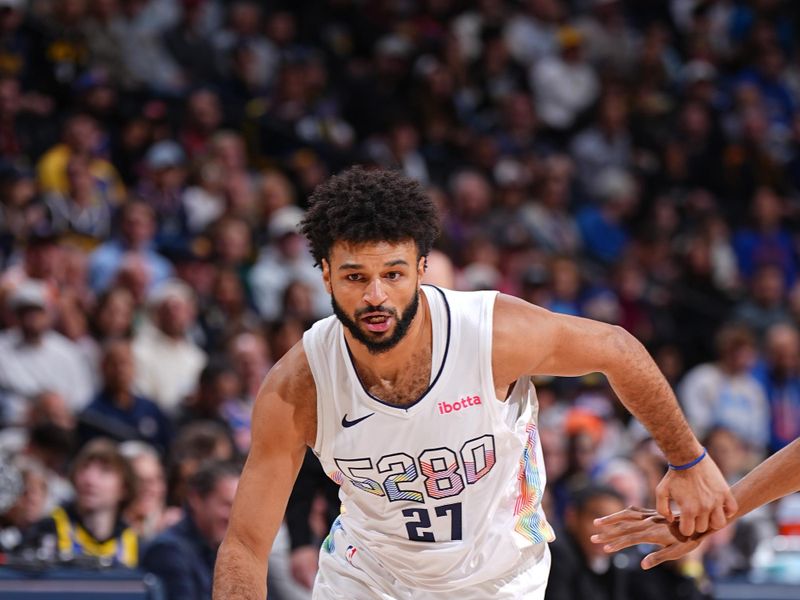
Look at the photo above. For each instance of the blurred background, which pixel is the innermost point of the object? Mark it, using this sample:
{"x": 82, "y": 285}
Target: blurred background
{"x": 632, "y": 162}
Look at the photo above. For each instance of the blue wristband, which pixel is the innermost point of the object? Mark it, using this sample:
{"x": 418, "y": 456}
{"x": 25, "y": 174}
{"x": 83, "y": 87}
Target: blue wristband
{"x": 688, "y": 465}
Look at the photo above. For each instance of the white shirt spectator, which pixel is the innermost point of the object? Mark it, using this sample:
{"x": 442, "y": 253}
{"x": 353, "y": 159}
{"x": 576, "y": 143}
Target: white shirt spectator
{"x": 711, "y": 397}
{"x": 562, "y": 90}
{"x": 167, "y": 369}
{"x": 283, "y": 261}
{"x": 55, "y": 364}
{"x": 273, "y": 273}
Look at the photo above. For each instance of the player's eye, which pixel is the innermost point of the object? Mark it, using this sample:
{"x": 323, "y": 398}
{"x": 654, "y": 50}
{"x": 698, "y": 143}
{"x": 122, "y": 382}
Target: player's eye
{"x": 353, "y": 277}
{"x": 393, "y": 275}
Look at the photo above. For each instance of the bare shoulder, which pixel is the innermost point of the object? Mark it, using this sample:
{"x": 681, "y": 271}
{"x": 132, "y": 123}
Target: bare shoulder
{"x": 531, "y": 340}
{"x": 288, "y": 396}
{"x": 513, "y": 326}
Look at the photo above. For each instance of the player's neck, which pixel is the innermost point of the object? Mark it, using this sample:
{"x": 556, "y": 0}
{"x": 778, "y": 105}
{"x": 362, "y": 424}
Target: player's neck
{"x": 388, "y": 365}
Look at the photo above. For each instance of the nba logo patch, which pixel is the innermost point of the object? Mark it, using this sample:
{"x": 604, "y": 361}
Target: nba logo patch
{"x": 350, "y": 553}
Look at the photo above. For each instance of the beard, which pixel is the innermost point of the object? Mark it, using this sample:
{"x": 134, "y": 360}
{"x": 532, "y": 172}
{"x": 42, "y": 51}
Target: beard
{"x": 373, "y": 345}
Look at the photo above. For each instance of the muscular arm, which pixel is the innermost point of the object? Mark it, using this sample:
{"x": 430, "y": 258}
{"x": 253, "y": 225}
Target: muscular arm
{"x": 530, "y": 340}
{"x": 284, "y": 422}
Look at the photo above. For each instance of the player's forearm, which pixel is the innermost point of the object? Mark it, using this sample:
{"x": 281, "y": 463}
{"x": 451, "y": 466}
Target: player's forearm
{"x": 645, "y": 392}
{"x": 775, "y": 478}
{"x": 239, "y": 574}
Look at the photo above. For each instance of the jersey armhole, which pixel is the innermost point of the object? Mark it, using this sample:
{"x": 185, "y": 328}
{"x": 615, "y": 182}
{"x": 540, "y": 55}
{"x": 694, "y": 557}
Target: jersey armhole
{"x": 317, "y": 364}
{"x": 486, "y": 336}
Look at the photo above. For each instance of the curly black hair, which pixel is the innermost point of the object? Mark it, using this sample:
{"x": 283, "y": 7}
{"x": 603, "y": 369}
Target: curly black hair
{"x": 360, "y": 205}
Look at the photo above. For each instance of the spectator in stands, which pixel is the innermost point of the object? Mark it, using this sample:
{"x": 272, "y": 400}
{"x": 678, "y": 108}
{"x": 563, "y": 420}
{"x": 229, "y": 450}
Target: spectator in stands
{"x": 766, "y": 304}
{"x": 190, "y": 48}
{"x": 162, "y": 187}
{"x": 148, "y": 513}
{"x": 61, "y": 55}
{"x": 183, "y": 556}
{"x": 138, "y": 29}
{"x": 251, "y": 358}
{"x": 283, "y": 260}
{"x": 579, "y": 568}
{"x": 244, "y": 27}
{"x": 23, "y": 500}
{"x": 168, "y": 361}
{"x": 767, "y": 242}
{"x": 20, "y": 212}
{"x": 92, "y": 525}
{"x": 603, "y": 227}
{"x": 779, "y": 375}
{"x": 136, "y": 233}
{"x": 34, "y": 358}
{"x": 202, "y": 118}
{"x": 82, "y": 137}
{"x": 531, "y": 34}
{"x": 564, "y": 84}
{"x": 605, "y": 144}
{"x": 85, "y": 210}
{"x": 228, "y": 312}
{"x": 203, "y": 200}
{"x": 116, "y": 411}
{"x": 113, "y": 315}
{"x": 218, "y": 398}
{"x": 22, "y": 134}
{"x": 725, "y": 393}
{"x": 611, "y": 44}
{"x": 552, "y": 226}
{"x": 195, "y": 444}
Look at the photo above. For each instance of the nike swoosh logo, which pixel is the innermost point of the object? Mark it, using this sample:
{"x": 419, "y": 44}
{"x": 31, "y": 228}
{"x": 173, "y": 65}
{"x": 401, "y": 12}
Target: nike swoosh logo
{"x": 346, "y": 423}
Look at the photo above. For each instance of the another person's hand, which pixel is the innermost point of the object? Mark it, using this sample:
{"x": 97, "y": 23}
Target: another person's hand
{"x": 702, "y": 495}
{"x": 303, "y": 563}
{"x": 634, "y": 525}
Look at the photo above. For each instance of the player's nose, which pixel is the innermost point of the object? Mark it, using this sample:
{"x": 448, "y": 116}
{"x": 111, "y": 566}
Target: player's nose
{"x": 374, "y": 293}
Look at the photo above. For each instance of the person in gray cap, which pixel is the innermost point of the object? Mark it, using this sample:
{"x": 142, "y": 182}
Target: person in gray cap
{"x": 34, "y": 358}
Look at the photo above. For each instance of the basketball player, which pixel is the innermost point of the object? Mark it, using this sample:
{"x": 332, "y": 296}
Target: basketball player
{"x": 418, "y": 402}
{"x": 774, "y": 478}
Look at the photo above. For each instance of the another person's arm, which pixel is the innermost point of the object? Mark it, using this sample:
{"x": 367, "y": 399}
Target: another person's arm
{"x": 531, "y": 340}
{"x": 284, "y": 423}
{"x": 774, "y": 478}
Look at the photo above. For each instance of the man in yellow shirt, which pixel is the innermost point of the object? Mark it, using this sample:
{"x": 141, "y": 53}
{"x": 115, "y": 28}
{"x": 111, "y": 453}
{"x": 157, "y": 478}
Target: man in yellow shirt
{"x": 81, "y": 136}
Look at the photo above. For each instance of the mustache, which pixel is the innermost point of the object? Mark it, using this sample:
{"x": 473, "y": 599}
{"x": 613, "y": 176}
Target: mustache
{"x": 375, "y": 309}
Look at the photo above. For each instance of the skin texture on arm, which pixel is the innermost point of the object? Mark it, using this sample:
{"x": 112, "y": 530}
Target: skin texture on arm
{"x": 529, "y": 340}
{"x": 774, "y": 478}
{"x": 284, "y": 423}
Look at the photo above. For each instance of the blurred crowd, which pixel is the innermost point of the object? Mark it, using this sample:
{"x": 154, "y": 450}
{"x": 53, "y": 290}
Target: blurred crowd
{"x": 632, "y": 162}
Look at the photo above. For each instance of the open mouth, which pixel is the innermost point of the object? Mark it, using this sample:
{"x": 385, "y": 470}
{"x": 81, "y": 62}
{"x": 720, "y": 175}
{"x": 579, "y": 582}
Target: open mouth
{"x": 377, "y": 322}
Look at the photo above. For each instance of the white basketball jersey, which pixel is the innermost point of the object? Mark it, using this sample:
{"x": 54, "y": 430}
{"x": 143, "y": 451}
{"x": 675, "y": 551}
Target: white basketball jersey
{"x": 443, "y": 493}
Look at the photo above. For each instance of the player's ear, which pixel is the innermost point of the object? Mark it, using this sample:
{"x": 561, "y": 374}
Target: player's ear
{"x": 326, "y": 274}
{"x": 422, "y": 266}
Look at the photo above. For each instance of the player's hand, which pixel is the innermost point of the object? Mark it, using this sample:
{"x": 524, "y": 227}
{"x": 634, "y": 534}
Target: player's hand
{"x": 701, "y": 493}
{"x": 303, "y": 564}
{"x": 634, "y": 525}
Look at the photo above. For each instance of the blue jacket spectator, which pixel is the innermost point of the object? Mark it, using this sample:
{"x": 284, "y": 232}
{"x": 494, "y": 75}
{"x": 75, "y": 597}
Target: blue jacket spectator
{"x": 183, "y": 556}
{"x": 117, "y": 412}
{"x": 137, "y": 228}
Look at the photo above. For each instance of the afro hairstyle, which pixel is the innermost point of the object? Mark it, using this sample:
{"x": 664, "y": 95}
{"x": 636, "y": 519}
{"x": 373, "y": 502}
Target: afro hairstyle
{"x": 362, "y": 206}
